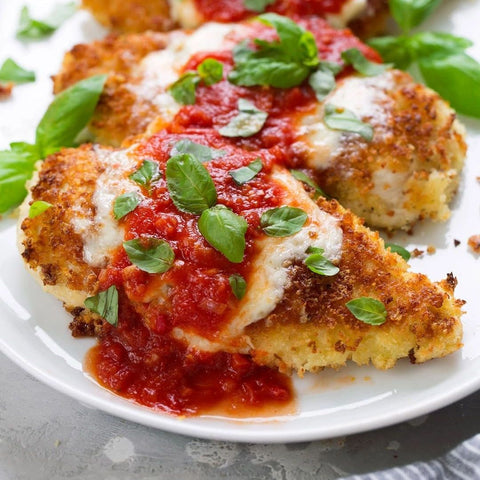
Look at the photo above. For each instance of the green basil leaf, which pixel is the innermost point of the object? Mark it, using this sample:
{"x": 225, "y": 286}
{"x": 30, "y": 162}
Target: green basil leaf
{"x": 201, "y": 152}
{"x": 225, "y": 231}
{"x": 322, "y": 82}
{"x": 125, "y": 204}
{"x": 394, "y": 50}
{"x": 191, "y": 188}
{"x": 105, "y": 304}
{"x": 238, "y": 285}
{"x": 37, "y": 208}
{"x": 183, "y": 90}
{"x": 347, "y": 121}
{"x": 368, "y": 310}
{"x": 12, "y": 72}
{"x": 16, "y": 167}
{"x": 257, "y": 5}
{"x": 30, "y": 28}
{"x": 405, "y": 254}
{"x": 429, "y": 44}
{"x": 456, "y": 78}
{"x": 304, "y": 178}
{"x": 354, "y": 57}
{"x": 68, "y": 115}
{"x": 410, "y": 13}
{"x": 283, "y": 221}
{"x": 210, "y": 71}
{"x": 282, "y": 64}
{"x": 245, "y": 174}
{"x": 317, "y": 263}
{"x": 147, "y": 174}
{"x": 248, "y": 122}
{"x": 152, "y": 255}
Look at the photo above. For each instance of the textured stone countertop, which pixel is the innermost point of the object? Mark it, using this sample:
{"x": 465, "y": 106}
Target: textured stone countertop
{"x": 45, "y": 435}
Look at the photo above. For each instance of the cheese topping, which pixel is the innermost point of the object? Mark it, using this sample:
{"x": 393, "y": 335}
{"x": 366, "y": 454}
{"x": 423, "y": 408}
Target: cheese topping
{"x": 350, "y": 10}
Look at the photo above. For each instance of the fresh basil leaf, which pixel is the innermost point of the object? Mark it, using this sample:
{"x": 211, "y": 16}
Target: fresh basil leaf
{"x": 410, "y": 13}
{"x": 12, "y": 72}
{"x": 183, "y": 90}
{"x": 405, "y": 254}
{"x": 225, "y": 231}
{"x": 456, "y": 78}
{"x": 152, "y": 255}
{"x": 257, "y": 5}
{"x": 105, "y": 304}
{"x": 125, "y": 204}
{"x": 201, "y": 152}
{"x": 68, "y": 115}
{"x": 147, "y": 174}
{"x": 238, "y": 285}
{"x": 37, "y": 208}
{"x": 354, "y": 57}
{"x": 368, "y": 310}
{"x": 282, "y": 64}
{"x": 429, "y": 44}
{"x": 304, "y": 178}
{"x": 248, "y": 122}
{"x": 16, "y": 167}
{"x": 283, "y": 221}
{"x": 30, "y": 28}
{"x": 317, "y": 263}
{"x": 394, "y": 50}
{"x": 346, "y": 121}
{"x": 191, "y": 188}
{"x": 322, "y": 82}
{"x": 245, "y": 174}
{"x": 210, "y": 71}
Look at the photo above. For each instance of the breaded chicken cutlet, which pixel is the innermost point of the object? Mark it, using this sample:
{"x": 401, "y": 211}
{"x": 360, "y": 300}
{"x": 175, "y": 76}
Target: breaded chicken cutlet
{"x": 290, "y": 317}
{"x": 407, "y": 172}
{"x": 365, "y": 17}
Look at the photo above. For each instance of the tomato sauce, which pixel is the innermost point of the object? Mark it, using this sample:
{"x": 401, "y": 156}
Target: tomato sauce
{"x": 235, "y": 10}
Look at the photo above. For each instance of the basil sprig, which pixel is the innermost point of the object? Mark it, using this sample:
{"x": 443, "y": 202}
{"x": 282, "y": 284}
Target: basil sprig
{"x": 322, "y": 80}
{"x": 283, "y": 221}
{"x": 284, "y": 63}
{"x": 346, "y": 121}
{"x": 248, "y": 122}
{"x": 304, "y": 178}
{"x": 32, "y": 29}
{"x": 238, "y": 285}
{"x": 191, "y": 188}
{"x": 225, "y": 231}
{"x": 441, "y": 57}
{"x": 37, "y": 208}
{"x": 147, "y": 174}
{"x": 243, "y": 175}
{"x": 317, "y": 263}
{"x": 152, "y": 255}
{"x": 257, "y": 5}
{"x": 201, "y": 152}
{"x": 368, "y": 310}
{"x": 125, "y": 204}
{"x": 12, "y": 72}
{"x": 405, "y": 254}
{"x": 64, "y": 119}
{"x": 105, "y": 304}
{"x": 210, "y": 71}
{"x": 354, "y": 57}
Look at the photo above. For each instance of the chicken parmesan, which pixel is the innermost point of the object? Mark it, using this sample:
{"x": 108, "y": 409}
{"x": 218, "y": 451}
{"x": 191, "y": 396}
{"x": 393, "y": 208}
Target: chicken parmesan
{"x": 365, "y": 17}
{"x": 208, "y": 272}
{"x": 405, "y": 170}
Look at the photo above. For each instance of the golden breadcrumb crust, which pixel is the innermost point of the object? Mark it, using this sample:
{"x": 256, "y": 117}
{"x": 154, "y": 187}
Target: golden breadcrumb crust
{"x": 309, "y": 329}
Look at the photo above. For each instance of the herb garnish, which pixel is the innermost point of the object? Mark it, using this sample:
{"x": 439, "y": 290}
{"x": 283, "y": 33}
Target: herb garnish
{"x": 37, "y": 208}
{"x": 125, "y": 204}
{"x": 304, "y": 178}
{"x": 152, "y": 255}
{"x": 405, "y": 254}
{"x": 354, "y": 57}
{"x": 105, "y": 304}
{"x": 12, "y": 72}
{"x": 248, "y": 122}
{"x": 243, "y": 175}
{"x": 238, "y": 285}
{"x": 322, "y": 80}
{"x": 147, "y": 174}
{"x": 201, "y": 152}
{"x": 283, "y": 221}
{"x": 317, "y": 263}
{"x": 257, "y": 5}
{"x": 368, "y": 310}
{"x": 346, "y": 121}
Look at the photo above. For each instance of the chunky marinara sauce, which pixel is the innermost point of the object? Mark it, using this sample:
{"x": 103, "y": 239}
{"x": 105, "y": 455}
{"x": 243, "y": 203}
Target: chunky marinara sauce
{"x": 139, "y": 358}
{"x": 235, "y": 10}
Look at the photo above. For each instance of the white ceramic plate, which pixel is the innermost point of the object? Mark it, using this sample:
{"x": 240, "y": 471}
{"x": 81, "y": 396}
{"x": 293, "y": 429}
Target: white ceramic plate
{"x": 34, "y": 325}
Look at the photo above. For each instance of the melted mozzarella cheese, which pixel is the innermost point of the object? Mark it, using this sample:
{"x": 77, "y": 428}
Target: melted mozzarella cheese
{"x": 350, "y": 10}
{"x": 102, "y": 233}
